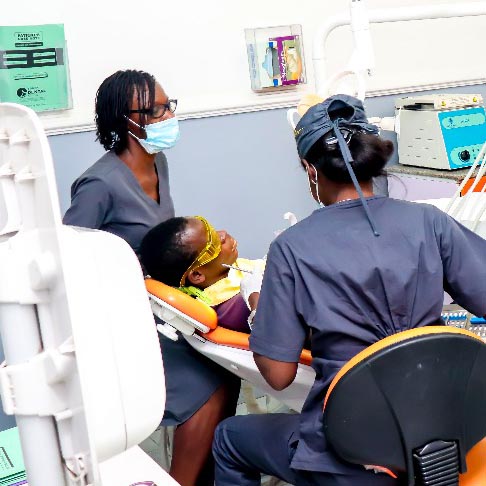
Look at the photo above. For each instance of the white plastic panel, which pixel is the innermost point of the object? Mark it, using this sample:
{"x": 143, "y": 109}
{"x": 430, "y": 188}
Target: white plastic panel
{"x": 68, "y": 293}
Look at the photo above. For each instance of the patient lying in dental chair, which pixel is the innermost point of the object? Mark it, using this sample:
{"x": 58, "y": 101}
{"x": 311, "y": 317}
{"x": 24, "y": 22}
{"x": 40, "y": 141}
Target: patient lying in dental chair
{"x": 188, "y": 253}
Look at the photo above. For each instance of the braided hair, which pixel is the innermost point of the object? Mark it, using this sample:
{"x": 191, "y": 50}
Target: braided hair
{"x": 114, "y": 101}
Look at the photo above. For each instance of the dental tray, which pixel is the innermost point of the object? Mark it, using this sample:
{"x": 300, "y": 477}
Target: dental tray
{"x": 454, "y": 315}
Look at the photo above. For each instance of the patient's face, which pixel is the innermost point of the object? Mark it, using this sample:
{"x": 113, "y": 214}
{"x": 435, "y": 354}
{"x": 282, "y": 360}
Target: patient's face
{"x": 196, "y": 236}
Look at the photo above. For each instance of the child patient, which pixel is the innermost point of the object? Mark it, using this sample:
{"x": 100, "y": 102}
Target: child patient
{"x": 190, "y": 254}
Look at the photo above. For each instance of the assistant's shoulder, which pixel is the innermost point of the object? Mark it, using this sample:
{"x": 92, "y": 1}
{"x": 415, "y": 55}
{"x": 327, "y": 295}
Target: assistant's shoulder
{"x": 104, "y": 167}
{"x": 161, "y": 159}
{"x": 162, "y": 166}
{"x": 100, "y": 173}
{"x": 427, "y": 214}
{"x": 405, "y": 208}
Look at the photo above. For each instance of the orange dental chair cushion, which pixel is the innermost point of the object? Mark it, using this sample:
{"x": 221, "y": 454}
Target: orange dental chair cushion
{"x": 182, "y": 302}
{"x": 203, "y": 313}
{"x": 469, "y": 183}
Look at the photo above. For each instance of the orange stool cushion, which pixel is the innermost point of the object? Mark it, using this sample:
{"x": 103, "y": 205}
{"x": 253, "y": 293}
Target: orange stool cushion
{"x": 476, "y": 466}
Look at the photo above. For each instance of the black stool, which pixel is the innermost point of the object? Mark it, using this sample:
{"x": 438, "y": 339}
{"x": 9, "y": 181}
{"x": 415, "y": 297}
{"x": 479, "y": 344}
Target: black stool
{"x": 413, "y": 403}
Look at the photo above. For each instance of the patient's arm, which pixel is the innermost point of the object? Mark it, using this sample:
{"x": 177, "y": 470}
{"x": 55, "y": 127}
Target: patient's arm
{"x": 278, "y": 374}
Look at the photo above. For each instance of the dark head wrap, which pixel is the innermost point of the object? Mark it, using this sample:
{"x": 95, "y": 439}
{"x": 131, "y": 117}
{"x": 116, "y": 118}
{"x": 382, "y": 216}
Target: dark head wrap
{"x": 338, "y": 117}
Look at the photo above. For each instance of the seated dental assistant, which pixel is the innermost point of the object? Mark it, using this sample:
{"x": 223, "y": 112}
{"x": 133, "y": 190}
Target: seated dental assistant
{"x": 126, "y": 192}
{"x": 188, "y": 253}
{"x": 358, "y": 269}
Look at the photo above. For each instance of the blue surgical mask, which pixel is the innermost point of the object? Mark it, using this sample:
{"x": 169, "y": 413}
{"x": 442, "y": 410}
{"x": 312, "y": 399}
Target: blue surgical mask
{"x": 160, "y": 136}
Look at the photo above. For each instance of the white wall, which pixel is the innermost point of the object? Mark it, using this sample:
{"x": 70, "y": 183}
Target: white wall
{"x": 197, "y": 49}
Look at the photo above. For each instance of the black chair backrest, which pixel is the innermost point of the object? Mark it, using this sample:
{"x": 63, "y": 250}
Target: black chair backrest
{"x": 406, "y": 393}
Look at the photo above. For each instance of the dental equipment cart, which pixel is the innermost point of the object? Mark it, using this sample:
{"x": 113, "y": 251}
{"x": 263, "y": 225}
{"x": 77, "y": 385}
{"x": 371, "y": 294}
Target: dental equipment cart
{"x": 440, "y": 131}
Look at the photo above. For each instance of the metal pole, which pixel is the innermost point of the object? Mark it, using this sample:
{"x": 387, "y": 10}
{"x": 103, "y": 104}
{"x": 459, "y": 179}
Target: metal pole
{"x": 21, "y": 340}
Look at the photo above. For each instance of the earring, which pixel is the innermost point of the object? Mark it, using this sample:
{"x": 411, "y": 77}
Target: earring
{"x": 317, "y": 188}
{"x": 315, "y": 170}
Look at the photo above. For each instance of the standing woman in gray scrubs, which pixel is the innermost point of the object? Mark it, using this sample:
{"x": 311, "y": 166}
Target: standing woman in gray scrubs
{"x": 126, "y": 192}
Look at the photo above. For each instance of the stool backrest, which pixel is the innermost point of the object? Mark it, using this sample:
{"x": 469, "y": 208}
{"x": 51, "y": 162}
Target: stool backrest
{"x": 405, "y": 394}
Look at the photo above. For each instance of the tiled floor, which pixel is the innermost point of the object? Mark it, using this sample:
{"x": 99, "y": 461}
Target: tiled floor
{"x": 157, "y": 445}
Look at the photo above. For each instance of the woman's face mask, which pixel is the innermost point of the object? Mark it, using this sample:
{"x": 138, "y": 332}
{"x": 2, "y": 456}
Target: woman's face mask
{"x": 160, "y": 136}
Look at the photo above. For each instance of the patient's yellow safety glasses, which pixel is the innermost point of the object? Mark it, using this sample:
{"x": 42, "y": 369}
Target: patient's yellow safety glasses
{"x": 209, "y": 252}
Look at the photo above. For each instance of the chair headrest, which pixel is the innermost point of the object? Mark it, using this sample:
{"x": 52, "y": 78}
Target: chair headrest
{"x": 195, "y": 309}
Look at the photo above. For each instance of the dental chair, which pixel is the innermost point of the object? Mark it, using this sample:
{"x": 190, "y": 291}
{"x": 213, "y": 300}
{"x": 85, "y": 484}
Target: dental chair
{"x": 198, "y": 323}
{"x": 413, "y": 404}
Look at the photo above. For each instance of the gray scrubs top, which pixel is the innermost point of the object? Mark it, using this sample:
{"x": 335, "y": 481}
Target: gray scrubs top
{"x": 330, "y": 275}
{"x": 109, "y": 197}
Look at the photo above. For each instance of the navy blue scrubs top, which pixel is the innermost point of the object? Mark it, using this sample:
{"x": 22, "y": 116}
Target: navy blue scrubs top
{"x": 329, "y": 274}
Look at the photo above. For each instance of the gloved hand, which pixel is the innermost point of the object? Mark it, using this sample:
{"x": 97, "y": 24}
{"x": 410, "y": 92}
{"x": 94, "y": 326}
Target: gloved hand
{"x": 251, "y": 283}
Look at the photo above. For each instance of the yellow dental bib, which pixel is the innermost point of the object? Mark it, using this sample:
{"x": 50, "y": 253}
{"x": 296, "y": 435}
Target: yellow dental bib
{"x": 228, "y": 287}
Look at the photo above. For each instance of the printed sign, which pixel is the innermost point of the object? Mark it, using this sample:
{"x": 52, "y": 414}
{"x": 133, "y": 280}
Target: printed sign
{"x": 12, "y": 469}
{"x": 33, "y": 67}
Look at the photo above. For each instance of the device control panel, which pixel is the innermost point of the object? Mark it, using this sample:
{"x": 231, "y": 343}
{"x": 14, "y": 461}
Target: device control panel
{"x": 464, "y": 133}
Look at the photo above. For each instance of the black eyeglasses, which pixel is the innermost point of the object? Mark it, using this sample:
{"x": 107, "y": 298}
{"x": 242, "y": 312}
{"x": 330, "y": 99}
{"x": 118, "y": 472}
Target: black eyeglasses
{"x": 158, "y": 111}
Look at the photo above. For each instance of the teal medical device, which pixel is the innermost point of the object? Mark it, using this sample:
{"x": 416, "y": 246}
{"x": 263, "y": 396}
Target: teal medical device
{"x": 440, "y": 131}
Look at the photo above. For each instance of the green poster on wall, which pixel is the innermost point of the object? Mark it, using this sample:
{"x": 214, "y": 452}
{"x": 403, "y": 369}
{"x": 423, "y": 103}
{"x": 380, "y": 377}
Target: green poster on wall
{"x": 33, "y": 67}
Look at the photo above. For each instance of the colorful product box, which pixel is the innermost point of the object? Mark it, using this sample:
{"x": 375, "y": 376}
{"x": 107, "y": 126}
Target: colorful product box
{"x": 275, "y": 61}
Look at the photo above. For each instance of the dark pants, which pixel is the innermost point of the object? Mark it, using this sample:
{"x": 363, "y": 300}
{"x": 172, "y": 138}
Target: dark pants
{"x": 246, "y": 446}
